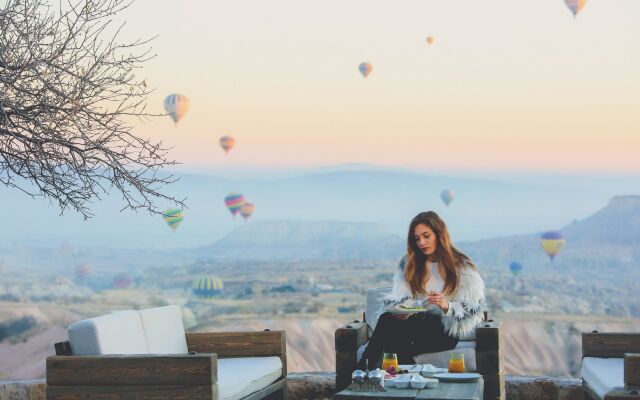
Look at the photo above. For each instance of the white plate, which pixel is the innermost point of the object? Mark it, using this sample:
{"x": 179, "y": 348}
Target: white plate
{"x": 394, "y": 310}
{"x": 458, "y": 377}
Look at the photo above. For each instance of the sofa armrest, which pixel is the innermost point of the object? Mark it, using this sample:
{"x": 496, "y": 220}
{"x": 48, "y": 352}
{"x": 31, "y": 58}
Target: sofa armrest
{"x": 488, "y": 336}
{"x": 148, "y": 369}
{"x": 348, "y": 339}
{"x": 632, "y": 369}
{"x": 238, "y": 344}
{"x": 351, "y": 336}
{"x": 609, "y": 344}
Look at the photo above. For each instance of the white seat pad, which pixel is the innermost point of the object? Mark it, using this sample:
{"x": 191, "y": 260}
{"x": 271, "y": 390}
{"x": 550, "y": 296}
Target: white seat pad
{"x": 603, "y": 374}
{"x": 239, "y": 377}
{"x": 117, "y": 333}
{"x": 164, "y": 330}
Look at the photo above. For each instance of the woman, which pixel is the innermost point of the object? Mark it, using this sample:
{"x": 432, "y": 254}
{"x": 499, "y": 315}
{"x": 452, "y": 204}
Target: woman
{"x": 439, "y": 277}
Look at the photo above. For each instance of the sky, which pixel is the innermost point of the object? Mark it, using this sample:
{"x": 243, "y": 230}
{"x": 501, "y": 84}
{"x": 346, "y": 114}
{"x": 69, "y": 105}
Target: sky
{"x": 507, "y": 86}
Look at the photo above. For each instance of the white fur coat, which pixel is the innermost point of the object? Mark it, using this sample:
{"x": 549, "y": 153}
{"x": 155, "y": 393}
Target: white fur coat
{"x": 465, "y": 307}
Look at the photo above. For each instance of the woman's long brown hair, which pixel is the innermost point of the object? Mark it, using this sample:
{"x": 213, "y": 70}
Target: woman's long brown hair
{"x": 416, "y": 272}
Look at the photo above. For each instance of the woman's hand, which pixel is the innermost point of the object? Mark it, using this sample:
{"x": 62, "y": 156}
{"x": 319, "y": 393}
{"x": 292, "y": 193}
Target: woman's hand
{"x": 438, "y": 299}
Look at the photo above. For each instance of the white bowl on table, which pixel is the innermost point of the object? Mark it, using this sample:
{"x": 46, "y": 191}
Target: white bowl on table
{"x": 402, "y": 382}
{"x": 418, "y": 382}
{"x": 431, "y": 383}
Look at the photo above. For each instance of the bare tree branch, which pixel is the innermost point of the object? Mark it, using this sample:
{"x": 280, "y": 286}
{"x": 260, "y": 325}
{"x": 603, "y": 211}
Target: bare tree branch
{"x": 68, "y": 91}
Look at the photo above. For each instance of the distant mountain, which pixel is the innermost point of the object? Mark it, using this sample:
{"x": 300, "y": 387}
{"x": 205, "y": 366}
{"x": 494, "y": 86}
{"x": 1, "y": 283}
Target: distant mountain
{"x": 618, "y": 224}
{"x": 603, "y": 244}
{"x": 326, "y": 240}
{"x": 483, "y": 208}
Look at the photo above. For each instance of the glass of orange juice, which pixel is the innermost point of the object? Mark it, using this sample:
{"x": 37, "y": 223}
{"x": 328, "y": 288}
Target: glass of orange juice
{"x": 456, "y": 362}
{"x": 389, "y": 360}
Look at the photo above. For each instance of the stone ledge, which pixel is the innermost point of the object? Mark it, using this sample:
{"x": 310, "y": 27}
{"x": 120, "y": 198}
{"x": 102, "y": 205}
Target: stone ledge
{"x": 22, "y": 390}
{"x": 321, "y": 385}
{"x": 543, "y": 387}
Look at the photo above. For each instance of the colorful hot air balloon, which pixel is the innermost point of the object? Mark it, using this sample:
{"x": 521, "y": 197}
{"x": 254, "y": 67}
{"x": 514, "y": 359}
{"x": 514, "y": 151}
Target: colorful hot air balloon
{"x": 447, "y": 196}
{"x": 83, "y": 271}
{"x": 227, "y": 143}
{"x": 575, "y": 6}
{"x": 176, "y": 106}
{"x": 365, "y": 69}
{"x": 173, "y": 217}
{"x": 207, "y": 287}
{"x": 430, "y": 40}
{"x": 122, "y": 281}
{"x": 515, "y": 268}
{"x": 552, "y": 243}
{"x": 234, "y": 202}
{"x": 247, "y": 209}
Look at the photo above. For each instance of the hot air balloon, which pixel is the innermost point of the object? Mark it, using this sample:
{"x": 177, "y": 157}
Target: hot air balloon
{"x": 515, "y": 268}
{"x": 234, "y": 202}
{"x": 575, "y": 6}
{"x": 207, "y": 287}
{"x": 552, "y": 243}
{"x": 176, "y": 106}
{"x": 447, "y": 196}
{"x": 173, "y": 217}
{"x": 365, "y": 69}
{"x": 247, "y": 209}
{"x": 83, "y": 271}
{"x": 122, "y": 281}
{"x": 430, "y": 40}
{"x": 227, "y": 143}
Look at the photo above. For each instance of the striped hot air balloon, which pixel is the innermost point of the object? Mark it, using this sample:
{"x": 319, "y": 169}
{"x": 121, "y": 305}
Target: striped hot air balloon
{"x": 234, "y": 202}
{"x": 575, "y": 6}
{"x": 176, "y": 105}
{"x": 122, "y": 281}
{"x": 173, "y": 217}
{"x": 447, "y": 196}
{"x": 207, "y": 287}
{"x": 227, "y": 143}
{"x": 515, "y": 268}
{"x": 552, "y": 243}
{"x": 247, "y": 209}
{"x": 365, "y": 69}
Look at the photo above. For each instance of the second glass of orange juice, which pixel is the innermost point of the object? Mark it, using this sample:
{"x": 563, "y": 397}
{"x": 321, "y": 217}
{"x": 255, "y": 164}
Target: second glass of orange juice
{"x": 456, "y": 362}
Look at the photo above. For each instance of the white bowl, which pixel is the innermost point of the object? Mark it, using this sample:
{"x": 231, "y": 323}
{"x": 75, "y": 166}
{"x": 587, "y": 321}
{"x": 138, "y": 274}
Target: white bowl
{"x": 418, "y": 382}
{"x": 431, "y": 383}
{"x": 429, "y": 373}
{"x": 402, "y": 382}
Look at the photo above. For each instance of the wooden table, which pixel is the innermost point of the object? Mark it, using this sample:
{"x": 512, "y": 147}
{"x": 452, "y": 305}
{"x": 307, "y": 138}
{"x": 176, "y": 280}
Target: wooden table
{"x": 444, "y": 391}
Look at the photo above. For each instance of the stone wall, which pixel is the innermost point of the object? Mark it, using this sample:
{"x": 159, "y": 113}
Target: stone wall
{"x": 321, "y": 385}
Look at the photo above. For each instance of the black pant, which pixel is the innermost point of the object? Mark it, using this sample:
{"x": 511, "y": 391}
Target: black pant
{"x": 420, "y": 333}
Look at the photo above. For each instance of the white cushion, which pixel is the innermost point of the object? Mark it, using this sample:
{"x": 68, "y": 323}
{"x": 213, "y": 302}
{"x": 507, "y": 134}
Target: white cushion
{"x": 603, "y": 374}
{"x": 441, "y": 359}
{"x": 163, "y": 330}
{"x": 239, "y": 377}
{"x": 117, "y": 333}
